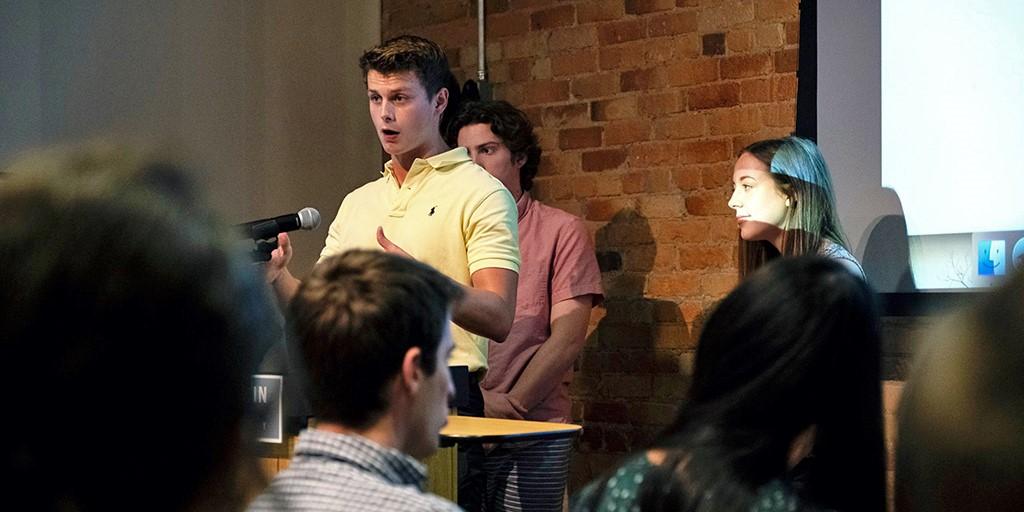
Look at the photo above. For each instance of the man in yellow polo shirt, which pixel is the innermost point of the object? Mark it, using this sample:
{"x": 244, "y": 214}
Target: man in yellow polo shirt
{"x": 431, "y": 203}
{"x": 445, "y": 213}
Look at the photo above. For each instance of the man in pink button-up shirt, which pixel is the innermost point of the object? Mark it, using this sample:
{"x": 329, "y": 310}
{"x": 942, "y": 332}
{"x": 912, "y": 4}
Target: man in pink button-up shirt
{"x": 559, "y": 283}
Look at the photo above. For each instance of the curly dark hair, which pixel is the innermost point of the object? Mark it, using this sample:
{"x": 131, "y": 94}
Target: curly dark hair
{"x": 511, "y": 125}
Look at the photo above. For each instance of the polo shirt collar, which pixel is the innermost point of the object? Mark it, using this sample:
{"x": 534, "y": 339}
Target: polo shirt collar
{"x": 438, "y": 162}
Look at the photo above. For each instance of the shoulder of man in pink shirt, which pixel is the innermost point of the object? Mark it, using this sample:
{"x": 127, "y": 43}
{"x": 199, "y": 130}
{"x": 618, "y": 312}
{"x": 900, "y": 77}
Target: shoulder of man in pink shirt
{"x": 565, "y": 246}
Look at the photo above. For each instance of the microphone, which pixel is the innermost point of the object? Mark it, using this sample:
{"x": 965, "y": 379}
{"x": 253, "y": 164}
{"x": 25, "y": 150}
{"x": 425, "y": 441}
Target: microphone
{"x": 306, "y": 218}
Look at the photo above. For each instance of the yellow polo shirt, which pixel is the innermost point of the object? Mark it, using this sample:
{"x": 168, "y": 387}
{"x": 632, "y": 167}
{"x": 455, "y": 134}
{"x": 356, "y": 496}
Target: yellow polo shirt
{"x": 449, "y": 213}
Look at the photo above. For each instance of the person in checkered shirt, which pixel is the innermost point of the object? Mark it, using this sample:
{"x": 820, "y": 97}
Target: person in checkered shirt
{"x": 373, "y": 330}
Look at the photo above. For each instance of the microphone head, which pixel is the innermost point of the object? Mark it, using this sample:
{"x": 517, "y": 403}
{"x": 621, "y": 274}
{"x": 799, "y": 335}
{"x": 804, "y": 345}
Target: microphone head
{"x": 309, "y": 218}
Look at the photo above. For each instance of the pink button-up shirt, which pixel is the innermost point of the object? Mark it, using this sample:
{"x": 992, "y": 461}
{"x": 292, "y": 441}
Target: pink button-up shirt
{"x": 557, "y": 263}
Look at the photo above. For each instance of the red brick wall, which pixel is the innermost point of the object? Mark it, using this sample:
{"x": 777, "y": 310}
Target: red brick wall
{"x": 641, "y": 107}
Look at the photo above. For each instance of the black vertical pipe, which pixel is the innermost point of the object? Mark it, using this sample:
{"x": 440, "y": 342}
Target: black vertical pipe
{"x": 807, "y": 72}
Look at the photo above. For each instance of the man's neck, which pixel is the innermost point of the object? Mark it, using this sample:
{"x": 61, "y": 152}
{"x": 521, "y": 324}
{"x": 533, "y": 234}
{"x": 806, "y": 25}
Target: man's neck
{"x": 381, "y": 432}
{"x": 400, "y": 164}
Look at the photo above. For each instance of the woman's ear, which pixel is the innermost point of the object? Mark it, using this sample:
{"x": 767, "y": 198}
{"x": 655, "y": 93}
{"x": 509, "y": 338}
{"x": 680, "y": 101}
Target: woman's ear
{"x": 791, "y": 199}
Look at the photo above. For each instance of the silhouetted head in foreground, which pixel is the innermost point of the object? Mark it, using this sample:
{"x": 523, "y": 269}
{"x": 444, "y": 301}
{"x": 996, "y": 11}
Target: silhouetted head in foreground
{"x": 961, "y": 433}
{"x": 129, "y": 331}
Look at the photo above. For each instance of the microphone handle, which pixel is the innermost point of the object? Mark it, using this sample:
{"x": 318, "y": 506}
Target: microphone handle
{"x": 269, "y": 228}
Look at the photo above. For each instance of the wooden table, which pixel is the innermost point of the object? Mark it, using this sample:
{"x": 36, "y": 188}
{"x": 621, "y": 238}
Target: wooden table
{"x": 467, "y": 429}
{"x": 442, "y": 467}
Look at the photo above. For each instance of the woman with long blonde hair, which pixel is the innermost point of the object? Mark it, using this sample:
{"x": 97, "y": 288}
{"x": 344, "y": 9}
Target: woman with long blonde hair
{"x": 785, "y": 205}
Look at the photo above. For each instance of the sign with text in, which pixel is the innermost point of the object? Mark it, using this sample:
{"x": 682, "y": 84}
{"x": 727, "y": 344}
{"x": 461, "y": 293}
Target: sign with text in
{"x": 266, "y": 401}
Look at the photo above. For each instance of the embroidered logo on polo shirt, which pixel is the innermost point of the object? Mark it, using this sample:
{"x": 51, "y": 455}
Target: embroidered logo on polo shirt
{"x": 432, "y": 208}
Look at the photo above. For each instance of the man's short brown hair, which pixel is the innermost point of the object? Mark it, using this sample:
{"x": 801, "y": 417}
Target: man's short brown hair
{"x": 355, "y": 318}
{"x": 409, "y": 53}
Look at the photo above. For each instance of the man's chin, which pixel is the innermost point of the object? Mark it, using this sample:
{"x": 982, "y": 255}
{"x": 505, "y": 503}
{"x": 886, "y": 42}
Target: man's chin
{"x": 385, "y": 143}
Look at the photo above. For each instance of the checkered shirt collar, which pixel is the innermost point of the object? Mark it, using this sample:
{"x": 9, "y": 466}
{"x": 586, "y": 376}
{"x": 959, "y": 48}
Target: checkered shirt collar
{"x": 389, "y": 463}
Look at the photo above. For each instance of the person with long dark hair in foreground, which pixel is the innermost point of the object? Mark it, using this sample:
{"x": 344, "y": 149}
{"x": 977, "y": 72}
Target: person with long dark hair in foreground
{"x": 787, "y": 363}
{"x": 785, "y": 205}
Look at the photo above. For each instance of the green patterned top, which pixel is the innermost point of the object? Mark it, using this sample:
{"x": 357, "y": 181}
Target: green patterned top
{"x": 620, "y": 495}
